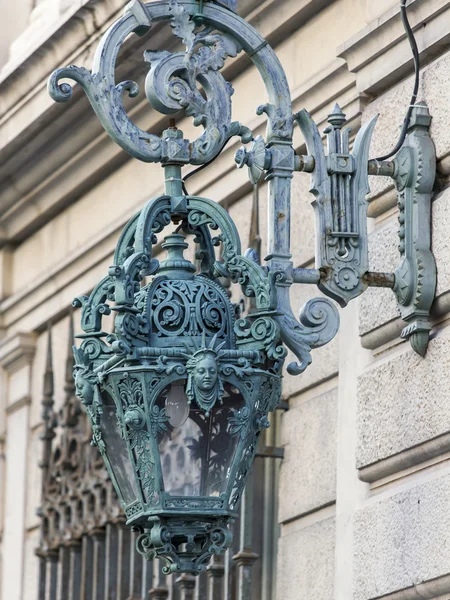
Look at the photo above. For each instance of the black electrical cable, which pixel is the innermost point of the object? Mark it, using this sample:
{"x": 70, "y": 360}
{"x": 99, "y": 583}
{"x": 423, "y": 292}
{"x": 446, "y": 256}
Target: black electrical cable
{"x": 192, "y": 173}
{"x": 415, "y": 51}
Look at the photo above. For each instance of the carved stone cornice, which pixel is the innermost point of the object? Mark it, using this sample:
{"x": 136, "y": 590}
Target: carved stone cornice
{"x": 17, "y": 351}
{"x": 379, "y": 54}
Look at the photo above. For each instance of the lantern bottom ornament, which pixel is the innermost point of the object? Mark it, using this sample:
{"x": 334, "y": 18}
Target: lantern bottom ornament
{"x": 178, "y": 396}
{"x": 186, "y": 544}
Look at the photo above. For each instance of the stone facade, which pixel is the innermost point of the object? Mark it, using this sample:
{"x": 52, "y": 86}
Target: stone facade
{"x": 364, "y": 488}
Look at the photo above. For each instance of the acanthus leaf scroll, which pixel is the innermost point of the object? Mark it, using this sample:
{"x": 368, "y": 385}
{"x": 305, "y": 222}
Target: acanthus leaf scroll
{"x": 172, "y": 84}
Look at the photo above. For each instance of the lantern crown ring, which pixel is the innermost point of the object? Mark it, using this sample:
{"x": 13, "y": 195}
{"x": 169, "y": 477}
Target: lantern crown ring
{"x": 179, "y": 394}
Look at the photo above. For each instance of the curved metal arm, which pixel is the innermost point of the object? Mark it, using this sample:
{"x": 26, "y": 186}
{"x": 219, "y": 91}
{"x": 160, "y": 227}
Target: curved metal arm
{"x": 172, "y": 83}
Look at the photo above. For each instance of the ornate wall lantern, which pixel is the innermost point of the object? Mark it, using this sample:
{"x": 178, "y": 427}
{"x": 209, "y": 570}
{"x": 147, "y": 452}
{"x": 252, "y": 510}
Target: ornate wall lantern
{"x": 179, "y": 394}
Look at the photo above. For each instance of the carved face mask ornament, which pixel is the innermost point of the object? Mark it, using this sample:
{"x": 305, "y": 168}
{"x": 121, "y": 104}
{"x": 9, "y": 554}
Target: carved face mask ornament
{"x": 83, "y": 388}
{"x": 85, "y": 378}
{"x": 204, "y": 385}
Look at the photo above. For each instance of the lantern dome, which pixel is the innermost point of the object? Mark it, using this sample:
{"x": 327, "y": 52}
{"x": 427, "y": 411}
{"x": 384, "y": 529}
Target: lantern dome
{"x": 181, "y": 305}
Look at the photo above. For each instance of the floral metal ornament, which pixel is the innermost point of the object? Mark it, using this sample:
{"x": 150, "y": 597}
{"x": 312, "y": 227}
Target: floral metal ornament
{"x": 179, "y": 394}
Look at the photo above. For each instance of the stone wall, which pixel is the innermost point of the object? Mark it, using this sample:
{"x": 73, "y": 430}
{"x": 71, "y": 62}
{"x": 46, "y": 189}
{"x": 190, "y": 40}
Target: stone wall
{"x": 400, "y": 536}
{"x": 384, "y": 485}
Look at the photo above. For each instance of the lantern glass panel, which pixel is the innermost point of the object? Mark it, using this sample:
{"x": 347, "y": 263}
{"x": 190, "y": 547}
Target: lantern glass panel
{"x": 117, "y": 451}
{"x": 197, "y": 454}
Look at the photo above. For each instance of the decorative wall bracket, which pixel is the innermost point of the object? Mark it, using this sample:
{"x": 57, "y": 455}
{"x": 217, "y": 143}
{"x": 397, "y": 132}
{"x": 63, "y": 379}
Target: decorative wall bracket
{"x": 340, "y": 184}
{"x": 414, "y": 171}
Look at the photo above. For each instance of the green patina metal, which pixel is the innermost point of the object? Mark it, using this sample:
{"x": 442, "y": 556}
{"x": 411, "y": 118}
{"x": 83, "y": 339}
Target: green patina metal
{"x": 178, "y": 396}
